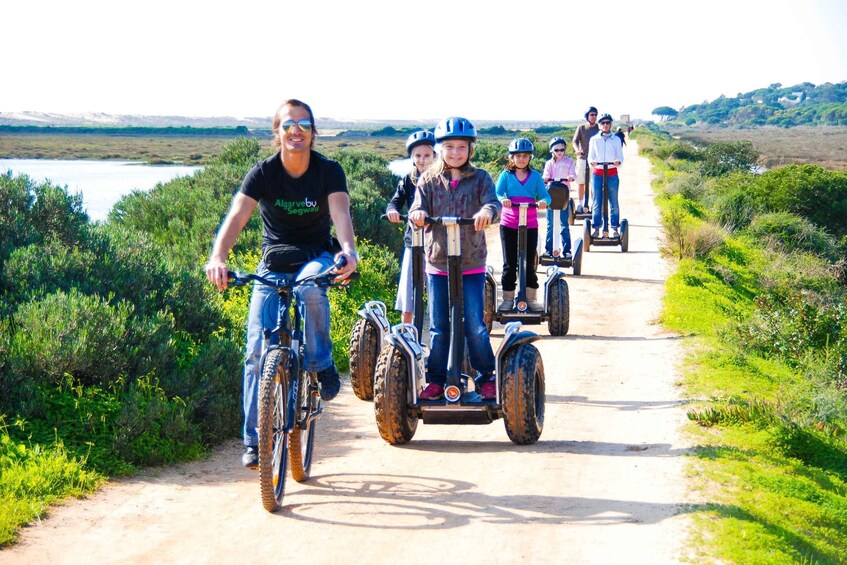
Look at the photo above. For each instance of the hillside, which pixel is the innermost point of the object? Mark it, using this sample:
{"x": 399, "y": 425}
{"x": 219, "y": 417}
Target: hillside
{"x": 803, "y": 104}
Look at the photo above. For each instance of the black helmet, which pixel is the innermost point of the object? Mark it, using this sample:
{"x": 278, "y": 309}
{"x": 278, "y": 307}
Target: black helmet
{"x": 455, "y": 128}
{"x": 605, "y": 117}
{"x": 591, "y": 110}
{"x": 521, "y": 145}
{"x": 422, "y": 137}
{"x": 556, "y": 141}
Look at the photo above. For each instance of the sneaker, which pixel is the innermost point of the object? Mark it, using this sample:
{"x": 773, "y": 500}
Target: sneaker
{"x": 488, "y": 390}
{"x": 616, "y": 233}
{"x": 250, "y": 459}
{"x": 330, "y": 383}
{"x": 433, "y": 391}
{"x": 508, "y": 300}
{"x": 580, "y": 209}
{"x": 595, "y": 234}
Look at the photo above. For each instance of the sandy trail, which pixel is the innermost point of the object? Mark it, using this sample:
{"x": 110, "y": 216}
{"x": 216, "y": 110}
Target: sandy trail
{"x": 605, "y": 484}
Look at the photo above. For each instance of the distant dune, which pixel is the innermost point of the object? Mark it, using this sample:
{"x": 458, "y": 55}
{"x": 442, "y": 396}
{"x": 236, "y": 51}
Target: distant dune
{"x": 47, "y": 119}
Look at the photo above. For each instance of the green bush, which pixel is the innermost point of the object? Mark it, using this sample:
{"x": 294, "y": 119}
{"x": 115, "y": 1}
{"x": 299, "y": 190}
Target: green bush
{"x": 731, "y": 200}
{"x": 809, "y": 191}
{"x": 790, "y": 232}
{"x": 725, "y": 157}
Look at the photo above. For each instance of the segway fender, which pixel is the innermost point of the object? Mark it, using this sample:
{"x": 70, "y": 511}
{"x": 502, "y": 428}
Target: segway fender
{"x": 376, "y": 313}
{"x": 513, "y": 336}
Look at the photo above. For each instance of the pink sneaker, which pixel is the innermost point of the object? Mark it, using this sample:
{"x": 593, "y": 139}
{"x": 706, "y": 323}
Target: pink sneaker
{"x": 488, "y": 391}
{"x": 433, "y": 391}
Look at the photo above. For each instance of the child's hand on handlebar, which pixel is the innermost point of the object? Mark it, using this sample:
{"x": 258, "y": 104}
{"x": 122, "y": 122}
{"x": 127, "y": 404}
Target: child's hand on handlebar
{"x": 418, "y": 217}
{"x": 507, "y": 203}
{"x": 393, "y": 216}
{"x": 482, "y": 220}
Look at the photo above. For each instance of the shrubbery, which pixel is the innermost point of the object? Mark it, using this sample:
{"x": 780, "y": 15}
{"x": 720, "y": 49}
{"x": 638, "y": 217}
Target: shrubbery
{"x": 115, "y": 351}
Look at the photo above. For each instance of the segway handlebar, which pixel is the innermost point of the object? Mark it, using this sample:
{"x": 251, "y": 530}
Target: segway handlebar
{"x": 403, "y": 217}
{"x": 447, "y": 220}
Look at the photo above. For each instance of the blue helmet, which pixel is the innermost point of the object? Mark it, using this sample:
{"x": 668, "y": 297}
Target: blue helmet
{"x": 591, "y": 110}
{"x": 455, "y": 128}
{"x": 605, "y": 118}
{"x": 556, "y": 141}
{"x": 521, "y": 145}
{"x": 422, "y": 137}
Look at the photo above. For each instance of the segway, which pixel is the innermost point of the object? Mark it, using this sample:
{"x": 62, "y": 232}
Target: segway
{"x": 559, "y": 192}
{"x": 370, "y": 329}
{"x": 623, "y": 239}
{"x": 586, "y": 207}
{"x": 519, "y": 373}
{"x": 556, "y": 308}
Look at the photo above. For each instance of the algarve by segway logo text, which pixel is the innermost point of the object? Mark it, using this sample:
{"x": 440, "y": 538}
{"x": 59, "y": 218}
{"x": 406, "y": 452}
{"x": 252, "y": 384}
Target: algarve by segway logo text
{"x": 298, "y": 208}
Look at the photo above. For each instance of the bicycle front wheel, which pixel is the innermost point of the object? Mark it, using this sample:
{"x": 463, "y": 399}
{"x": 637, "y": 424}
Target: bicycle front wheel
{"x": 301, "y": 440}
{"x": 273, "y": 444}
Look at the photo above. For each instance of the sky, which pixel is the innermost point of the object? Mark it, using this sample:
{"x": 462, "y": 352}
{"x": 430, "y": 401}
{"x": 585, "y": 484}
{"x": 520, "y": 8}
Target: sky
{"x": 409, "y": 60}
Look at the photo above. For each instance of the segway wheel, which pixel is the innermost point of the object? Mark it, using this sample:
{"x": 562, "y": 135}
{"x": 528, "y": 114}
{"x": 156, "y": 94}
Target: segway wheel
{"x": 363, "y": 351}
{"x": 523, "y": 394}
{"x": 396, "y": 423}
{"x": 624, "y": 236}
{"x": 577, "y": 258}
{"x": 559, "y": 307}
{"x": 490, "y": 305}
{"x": 586, "y": 235}
{"x": 571, "y": 212}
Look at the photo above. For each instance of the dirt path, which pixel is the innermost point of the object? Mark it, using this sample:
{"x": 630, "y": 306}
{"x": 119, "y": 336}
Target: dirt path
{"x": 604, "y": 485}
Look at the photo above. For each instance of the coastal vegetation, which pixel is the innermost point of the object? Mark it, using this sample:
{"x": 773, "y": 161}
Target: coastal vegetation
{"x": 761, "y": 290}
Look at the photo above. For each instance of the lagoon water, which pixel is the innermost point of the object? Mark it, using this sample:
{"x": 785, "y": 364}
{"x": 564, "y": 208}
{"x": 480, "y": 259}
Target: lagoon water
{"x": 102, "y": 183}
{"x": 400, "y": 167}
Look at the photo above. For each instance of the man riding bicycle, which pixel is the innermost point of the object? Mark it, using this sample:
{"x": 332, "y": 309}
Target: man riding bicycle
{"x": 300, "y": 194}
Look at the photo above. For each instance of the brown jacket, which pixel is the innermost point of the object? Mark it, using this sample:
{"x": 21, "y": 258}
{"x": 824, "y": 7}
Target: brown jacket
{"x": 434, "y": 196}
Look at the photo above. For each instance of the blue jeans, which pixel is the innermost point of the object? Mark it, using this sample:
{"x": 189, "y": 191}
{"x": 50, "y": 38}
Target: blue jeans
{"x": 264, "y": 304}
{"x": 612, "y": 183}
{"x": 566, "y": 232}
{"x": 476, "y": 333}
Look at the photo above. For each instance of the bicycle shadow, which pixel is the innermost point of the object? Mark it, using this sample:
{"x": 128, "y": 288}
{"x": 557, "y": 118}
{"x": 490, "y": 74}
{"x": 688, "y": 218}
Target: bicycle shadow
{"x": 393, "y": 502}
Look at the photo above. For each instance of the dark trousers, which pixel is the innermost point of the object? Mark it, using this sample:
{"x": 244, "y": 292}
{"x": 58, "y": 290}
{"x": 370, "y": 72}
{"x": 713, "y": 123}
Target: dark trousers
{"x": 509, "y": 242}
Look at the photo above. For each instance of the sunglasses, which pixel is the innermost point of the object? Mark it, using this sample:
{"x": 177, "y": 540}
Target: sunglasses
{"x": 605, "y": 123}
{"x": 592, "y": 114}
{"x": 558, "y": 151}
{"x": 305, "y": 125}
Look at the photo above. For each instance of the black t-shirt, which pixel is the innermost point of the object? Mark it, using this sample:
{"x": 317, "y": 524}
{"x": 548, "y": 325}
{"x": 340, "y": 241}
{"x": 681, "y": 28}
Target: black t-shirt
{"x": 294, "y": 210}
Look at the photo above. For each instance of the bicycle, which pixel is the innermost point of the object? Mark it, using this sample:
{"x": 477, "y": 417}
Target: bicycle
{"x": 289, "y": 398}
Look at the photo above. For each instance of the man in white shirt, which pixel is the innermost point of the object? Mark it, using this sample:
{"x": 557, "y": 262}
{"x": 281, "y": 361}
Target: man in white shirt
{"x": 605, "y": 148}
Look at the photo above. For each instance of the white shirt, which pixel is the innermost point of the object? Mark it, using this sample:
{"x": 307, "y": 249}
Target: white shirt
{"x": 605, "y": 148}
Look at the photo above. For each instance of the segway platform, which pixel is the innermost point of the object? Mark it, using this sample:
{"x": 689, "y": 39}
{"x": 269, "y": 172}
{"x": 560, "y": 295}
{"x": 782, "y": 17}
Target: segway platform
{"x": 622, "y": 241}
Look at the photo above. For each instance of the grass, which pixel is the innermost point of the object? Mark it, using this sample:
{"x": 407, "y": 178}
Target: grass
{"x": 33, "y": 478}
{"x": 776, "y": 484}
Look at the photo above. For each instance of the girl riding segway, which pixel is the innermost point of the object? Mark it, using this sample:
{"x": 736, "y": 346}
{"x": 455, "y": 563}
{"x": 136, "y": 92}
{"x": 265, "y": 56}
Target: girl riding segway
{"x": 560, "y": 169}
{"x": 454, "y": 187}
{"x": 519, "y": 183}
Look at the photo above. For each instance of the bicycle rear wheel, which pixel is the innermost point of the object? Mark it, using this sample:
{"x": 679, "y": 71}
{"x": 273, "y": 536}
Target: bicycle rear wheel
{"x": 301, "y": 440}
{"x": 273, "y": 444}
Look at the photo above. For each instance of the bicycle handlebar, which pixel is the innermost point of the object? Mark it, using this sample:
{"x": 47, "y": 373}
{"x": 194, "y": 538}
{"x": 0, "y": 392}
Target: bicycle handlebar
{"x": 325, "y": 278}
